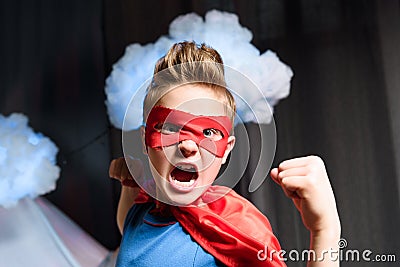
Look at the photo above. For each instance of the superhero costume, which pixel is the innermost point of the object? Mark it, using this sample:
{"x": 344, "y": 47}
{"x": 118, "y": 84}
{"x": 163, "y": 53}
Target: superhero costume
{"x": 230, "y": 228}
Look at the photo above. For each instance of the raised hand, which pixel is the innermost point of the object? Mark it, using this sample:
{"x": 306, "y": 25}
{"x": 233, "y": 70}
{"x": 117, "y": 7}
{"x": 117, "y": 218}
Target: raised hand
{"x": 306, "y": 182}
{"x": 119, "y": 170}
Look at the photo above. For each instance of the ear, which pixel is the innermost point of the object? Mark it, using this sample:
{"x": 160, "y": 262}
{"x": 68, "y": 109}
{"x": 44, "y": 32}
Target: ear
{"x": 229, "y": 147}
{"x": 142, "y": 134}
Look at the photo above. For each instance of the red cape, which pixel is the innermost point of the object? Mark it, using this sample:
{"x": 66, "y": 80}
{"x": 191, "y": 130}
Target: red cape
{"x": 231, "y": 229}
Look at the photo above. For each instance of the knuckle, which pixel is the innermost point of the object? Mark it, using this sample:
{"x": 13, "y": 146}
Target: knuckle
{"x": 308, "y": 169}
{"x": 315, "y": 164}
{"x": 111, "y": 170}
{"x": 281, "y": 174}
{"x": 281, "y": 165}
{"x": 316, "y": 160}
{"x": 314, "y": 168}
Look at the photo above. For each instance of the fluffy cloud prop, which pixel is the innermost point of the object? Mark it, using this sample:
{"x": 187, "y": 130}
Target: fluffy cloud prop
{"x": 220, "y": 30}
{"x": 27, "y": 161}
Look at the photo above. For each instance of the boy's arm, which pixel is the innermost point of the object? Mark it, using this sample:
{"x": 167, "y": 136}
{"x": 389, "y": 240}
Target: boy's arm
{"x": 119, "y": 170}
{"x": 306, "y": 182}
{"x": 126, "y": 200}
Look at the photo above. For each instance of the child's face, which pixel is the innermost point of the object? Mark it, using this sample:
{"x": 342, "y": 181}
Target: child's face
{"x": 185, "y": 169}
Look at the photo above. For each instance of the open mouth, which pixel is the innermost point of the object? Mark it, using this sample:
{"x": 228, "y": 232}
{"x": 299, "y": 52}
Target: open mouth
{"x": 184, "y": 177}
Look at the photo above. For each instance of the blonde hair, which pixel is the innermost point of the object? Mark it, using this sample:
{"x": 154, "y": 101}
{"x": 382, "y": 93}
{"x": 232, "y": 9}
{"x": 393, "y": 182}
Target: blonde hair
{"x": 188, "y": 62}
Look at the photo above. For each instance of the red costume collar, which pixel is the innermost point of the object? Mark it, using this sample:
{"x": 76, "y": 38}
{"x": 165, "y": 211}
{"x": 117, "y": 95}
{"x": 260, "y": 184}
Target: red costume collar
{"x": 230, "y": 228}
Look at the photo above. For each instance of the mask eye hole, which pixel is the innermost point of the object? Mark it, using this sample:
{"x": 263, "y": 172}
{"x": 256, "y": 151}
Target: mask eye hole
{"x": 167, "y": 128}
{"x": 213, "y": 134}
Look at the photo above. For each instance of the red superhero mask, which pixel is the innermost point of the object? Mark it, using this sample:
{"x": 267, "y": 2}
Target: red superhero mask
{"x": 166, "y": 127}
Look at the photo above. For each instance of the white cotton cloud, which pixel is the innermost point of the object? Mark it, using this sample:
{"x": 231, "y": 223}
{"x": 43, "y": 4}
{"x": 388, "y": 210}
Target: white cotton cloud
{"x": 220, "y": 30}
{"x": 27, "y": 161}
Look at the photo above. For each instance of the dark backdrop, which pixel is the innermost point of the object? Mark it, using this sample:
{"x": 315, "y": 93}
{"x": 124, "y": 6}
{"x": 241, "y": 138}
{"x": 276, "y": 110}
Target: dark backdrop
{"x": 343, "y": 106}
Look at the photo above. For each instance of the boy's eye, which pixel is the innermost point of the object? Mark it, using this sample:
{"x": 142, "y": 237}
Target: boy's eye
{"x": 167, "y": 128}
{"x": 213, "y": 134}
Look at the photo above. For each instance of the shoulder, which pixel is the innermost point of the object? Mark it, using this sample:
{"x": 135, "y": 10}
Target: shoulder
{"x": 136, "y": 214}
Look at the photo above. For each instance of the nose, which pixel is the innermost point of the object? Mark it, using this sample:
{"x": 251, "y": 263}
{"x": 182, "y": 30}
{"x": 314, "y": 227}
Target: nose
{"x": 188, "y": 148}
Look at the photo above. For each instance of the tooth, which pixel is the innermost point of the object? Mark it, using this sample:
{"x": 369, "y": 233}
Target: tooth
{"x": 184, "y": 184}
{"x": 186, "y": 167}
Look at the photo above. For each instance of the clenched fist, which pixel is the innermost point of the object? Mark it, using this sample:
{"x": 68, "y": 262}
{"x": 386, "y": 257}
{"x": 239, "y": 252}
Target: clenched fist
{"x": 119, "y": 170}
{"x": 306, "y": 182}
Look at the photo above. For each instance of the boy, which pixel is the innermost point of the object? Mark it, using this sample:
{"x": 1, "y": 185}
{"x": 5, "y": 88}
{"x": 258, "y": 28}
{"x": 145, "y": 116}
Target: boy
{"x": 193, "y": 223}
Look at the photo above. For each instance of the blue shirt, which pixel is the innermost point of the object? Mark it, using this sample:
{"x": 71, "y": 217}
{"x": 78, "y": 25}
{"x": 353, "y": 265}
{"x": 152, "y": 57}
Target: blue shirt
{"x": 150, "y": 240}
